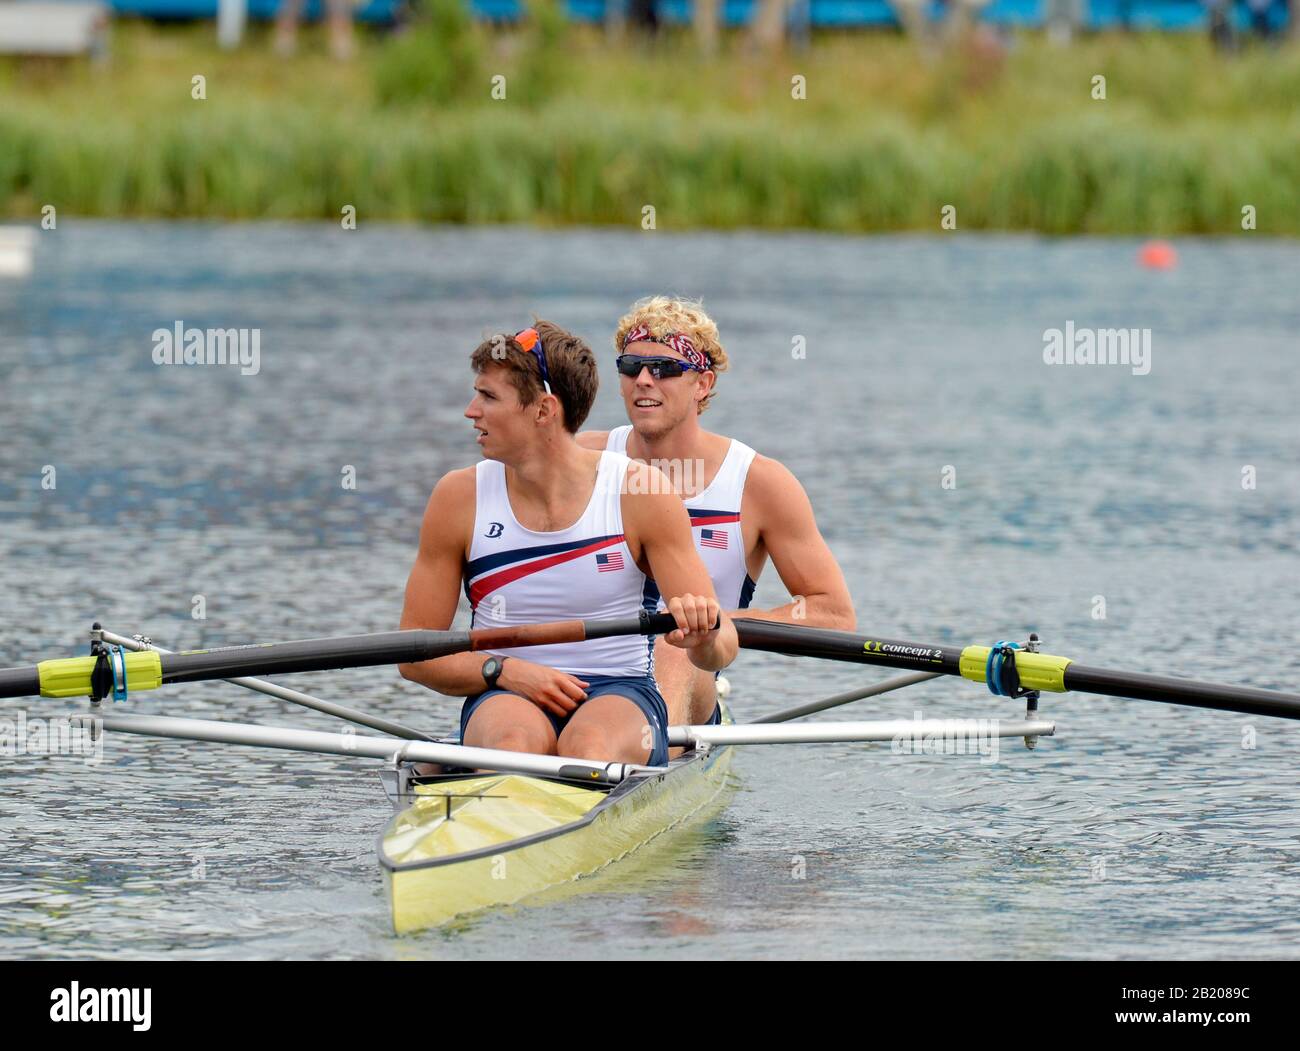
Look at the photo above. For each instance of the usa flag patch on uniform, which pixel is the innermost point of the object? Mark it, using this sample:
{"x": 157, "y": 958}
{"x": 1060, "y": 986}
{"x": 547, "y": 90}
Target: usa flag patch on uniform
{"x": 714, "y": 538}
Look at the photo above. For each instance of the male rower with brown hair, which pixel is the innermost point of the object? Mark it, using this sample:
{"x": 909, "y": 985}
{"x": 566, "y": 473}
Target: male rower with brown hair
{"x": 543, "y": 529}
{"x": 745, "y": 508}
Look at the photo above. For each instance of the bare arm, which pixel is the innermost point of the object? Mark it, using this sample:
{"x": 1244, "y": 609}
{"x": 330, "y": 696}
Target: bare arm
{"x": 658, "y": 531}
{"x": 433, "y": 588}
{"x": 788, "y": 530}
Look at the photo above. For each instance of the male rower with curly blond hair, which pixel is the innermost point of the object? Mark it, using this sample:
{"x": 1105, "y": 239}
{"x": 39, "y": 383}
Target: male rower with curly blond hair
{"x": 744, "y": 508}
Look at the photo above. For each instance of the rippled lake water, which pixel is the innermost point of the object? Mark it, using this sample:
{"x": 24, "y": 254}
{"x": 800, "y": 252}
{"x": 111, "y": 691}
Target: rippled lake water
{"x": 1139, "y": 830}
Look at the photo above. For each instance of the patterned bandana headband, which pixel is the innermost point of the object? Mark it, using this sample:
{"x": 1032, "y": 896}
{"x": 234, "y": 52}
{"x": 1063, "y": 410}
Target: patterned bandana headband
{"x": 679, "y": 343}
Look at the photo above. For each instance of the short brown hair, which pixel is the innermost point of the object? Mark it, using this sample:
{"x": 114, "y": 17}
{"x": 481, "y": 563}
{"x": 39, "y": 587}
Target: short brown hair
{"x": 570, "y": 364}
{"x": 665, "y": 314}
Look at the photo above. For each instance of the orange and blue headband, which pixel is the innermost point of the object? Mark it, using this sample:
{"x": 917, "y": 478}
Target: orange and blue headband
{"x": 532, "y": 342}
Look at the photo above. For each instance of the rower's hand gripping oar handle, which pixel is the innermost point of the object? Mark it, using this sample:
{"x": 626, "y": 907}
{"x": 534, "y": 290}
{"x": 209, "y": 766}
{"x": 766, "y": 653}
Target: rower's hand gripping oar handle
{"x": 664, "y": 623}
{"x": 560, "y": 631}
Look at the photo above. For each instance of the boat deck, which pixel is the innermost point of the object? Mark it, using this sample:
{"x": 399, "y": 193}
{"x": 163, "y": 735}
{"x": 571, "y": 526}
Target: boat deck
{"x": 465, "y": 842}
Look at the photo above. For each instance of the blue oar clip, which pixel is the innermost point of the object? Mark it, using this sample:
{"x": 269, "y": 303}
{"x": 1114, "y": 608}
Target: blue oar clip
{"x": 117, "y": 662}
{"x": 1000, "y": 670}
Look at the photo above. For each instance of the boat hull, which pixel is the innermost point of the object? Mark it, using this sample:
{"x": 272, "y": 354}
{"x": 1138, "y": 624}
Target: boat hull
{"x": 471, "y": 843}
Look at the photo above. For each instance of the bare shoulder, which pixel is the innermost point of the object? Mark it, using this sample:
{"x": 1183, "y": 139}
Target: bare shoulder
{"x": 770, "y": 479}
{"x": 593, "y": 439}
{"x": 649, "y": 496}
{"x": 775, "y": 501}
{"x": 450, "y": 511}
{"x": 457, "y": 484}
{"x": 647, "y": 479}
{"x": 653, "y": 513}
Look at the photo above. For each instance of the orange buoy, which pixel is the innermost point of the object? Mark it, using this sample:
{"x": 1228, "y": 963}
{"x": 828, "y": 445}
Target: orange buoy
{"x": 1158, "y": 255}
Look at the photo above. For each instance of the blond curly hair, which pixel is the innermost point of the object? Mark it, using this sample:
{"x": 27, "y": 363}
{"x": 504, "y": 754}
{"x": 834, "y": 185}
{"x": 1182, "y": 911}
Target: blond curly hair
{"x": 665, "y": 314}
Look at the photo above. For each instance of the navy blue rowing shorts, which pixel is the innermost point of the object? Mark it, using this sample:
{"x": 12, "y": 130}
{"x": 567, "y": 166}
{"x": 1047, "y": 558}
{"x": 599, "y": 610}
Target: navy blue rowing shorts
{"x": 641, "y": 690}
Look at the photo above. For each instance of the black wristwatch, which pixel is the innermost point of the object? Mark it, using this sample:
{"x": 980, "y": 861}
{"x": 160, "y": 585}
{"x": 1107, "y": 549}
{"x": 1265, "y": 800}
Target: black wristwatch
{"x": 492, "y": 670}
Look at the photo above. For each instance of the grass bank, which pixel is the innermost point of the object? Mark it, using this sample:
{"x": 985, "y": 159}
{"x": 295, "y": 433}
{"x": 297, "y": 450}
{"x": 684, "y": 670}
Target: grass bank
{"x": 589, "y": 133}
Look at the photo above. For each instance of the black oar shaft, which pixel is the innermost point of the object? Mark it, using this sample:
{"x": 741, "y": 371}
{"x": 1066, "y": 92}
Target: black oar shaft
{"x": 1042, "y": 671}
{"x": 778, "y": 637}
{"x": 282, "y": 658}
{"x": 1143, "y": 687}
{"x": 19, "y": 682}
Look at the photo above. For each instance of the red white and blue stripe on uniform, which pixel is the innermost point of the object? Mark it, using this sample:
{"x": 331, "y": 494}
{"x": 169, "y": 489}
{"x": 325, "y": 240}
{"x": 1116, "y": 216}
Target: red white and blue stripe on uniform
{"x": 493, "y": 572}
{"x": 515, "y": 575}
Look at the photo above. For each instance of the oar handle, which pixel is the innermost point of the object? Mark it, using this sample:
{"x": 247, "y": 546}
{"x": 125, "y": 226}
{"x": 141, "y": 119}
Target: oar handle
{"x": 555, "y": 632}
{"x": 646, "y": 623}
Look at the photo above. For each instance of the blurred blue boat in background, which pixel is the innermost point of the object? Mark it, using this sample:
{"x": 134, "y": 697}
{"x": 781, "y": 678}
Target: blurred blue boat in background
{"x": 1173, "y": 15}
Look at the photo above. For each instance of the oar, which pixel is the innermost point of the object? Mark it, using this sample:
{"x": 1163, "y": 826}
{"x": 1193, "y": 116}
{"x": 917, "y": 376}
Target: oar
{"x": 1033, "y": 671}
{"x": 283, "y": 693}
{"x": 99, "y": 676}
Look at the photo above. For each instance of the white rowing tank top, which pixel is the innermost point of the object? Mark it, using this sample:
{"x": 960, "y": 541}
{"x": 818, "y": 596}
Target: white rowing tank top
{"x": 520, "y": 576}
{"x": 715, "y": 521}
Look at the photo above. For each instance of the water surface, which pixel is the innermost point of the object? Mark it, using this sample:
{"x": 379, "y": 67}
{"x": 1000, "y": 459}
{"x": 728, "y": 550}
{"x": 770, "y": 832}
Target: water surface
{"x": 1140, "y": 830}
